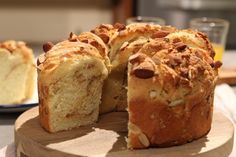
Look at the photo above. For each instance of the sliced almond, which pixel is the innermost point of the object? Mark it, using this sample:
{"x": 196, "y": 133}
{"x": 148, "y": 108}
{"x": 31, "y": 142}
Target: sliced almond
{"x": 176, "y": 102}
{"x": 134, "y": 128}
{"x": 41, "y": 59}
{"x": 153, "y": 94}
{"x": 143, "y": 139}
{"x": 137, "y": 58}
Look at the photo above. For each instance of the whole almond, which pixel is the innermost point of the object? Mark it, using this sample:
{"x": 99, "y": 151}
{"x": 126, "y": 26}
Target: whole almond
{"x": 105, "y": 38}
{"x": 217, "y": 64}
{"x": 94, "y": 43}
{"x": 72, "y": 37}
{"x": 180, "y": 46}
{"x": 119, "y": 26}
{"x": 144, "y": 70}
{"x": 85, "y": 41}
{"x": 176, "y": 40}
{"x": 47, "y": 46}
{"x": 160, "y": 34}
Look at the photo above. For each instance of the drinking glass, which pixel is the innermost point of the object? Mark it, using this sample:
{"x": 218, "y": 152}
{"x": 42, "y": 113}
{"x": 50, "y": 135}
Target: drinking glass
{"x": 145, "y": 19}
{"x": 216, "y": 30}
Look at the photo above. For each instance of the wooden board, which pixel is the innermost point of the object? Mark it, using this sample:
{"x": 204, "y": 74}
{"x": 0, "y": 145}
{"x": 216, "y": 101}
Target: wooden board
{"x": 227, "y": 76}
{"x": 107, "y": 138}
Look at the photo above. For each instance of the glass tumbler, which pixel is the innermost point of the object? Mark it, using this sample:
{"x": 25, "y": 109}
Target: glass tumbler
{"x": 216, "y": 30}
{"x": 144, "y": 19}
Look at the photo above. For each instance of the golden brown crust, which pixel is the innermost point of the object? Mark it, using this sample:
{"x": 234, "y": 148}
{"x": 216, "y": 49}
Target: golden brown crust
{"x": 116, "y": 99}
{"x": 43, "y": 106}
{"x": 193, "y": 39}
{"x": 125, "y": 42}
{"x": 65, "y": 51}
{"x": 18, "y": 47}
{"x": 95, "y": 41}
{"x": 172, "y": 76}
{"x": 131, "y": 33}
{"x": 177, "y": 81}
{"x": 105, "y": 32}
{"x": 164, "y": 126}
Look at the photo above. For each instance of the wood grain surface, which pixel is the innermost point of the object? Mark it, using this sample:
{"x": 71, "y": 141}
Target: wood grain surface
{"x": 227, "y": 75}
{"x": 107, "y": 138}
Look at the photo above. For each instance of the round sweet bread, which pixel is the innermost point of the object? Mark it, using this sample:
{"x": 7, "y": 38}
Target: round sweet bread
{"x": 163, "y": 76}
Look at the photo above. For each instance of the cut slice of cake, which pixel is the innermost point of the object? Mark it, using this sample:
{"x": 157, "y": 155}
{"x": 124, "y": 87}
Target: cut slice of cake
{"x": 70, "y": 80}
{"x": 17, "y": 72}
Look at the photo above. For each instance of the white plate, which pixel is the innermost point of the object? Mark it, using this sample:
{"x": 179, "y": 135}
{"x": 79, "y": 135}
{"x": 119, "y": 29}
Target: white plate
{"x": 21, "y": 107}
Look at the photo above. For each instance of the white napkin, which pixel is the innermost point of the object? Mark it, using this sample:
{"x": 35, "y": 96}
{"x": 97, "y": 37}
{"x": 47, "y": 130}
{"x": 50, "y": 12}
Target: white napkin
{"x": 225, "y": 101}
{"x": 8, "y": 151}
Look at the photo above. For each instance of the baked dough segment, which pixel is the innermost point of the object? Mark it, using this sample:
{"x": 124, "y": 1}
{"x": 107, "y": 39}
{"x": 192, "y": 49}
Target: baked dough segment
{"x": 170, "y": 93}
{"x": 17, "y": 72}
{"x": 122, "y": 44}
{"x": 70, "y": 80}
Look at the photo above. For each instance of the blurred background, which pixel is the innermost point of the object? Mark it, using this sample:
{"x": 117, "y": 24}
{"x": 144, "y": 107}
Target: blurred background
{"x": 39, "y": 21}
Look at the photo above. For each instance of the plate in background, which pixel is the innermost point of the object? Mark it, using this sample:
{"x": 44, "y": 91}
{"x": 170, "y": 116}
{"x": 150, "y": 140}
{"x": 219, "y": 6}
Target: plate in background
{"x": 20, "y": 107}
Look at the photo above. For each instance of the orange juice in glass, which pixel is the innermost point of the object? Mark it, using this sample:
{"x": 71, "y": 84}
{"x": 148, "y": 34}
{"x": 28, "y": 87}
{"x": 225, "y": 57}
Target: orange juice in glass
{"x": 219, "y": 50}
{"x": 216, "y": 30}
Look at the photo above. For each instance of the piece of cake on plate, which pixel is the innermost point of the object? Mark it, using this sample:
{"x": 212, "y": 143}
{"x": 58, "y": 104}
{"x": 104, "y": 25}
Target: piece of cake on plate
{"x": 17, "y": 72}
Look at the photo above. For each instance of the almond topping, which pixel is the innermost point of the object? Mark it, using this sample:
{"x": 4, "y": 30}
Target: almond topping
{"x": 143, "y": 139}
{"x": 47, "y": 46}
{"x": 41, "y": 59}
{"x": 176, "y": 102}
{"x": 184, "y": 72}
{"x": 145, "y": 70}
{"x": 119, "y": 26}
{"x": 105, "y": 38}
{"x": 176, "y": 40}
{"x": 134, "y": 128}
{"x": 72, "y": 37}
{"x": 153, "y": 94}
{"x": 156, "y": 59}
{"x": 85, "y": 41}
{"x": 217, "y": 64}
{"x": 180, "y": 46}
{"x": 94, "y": 43}
{"x": 174, "y": 60}
{"x": 137, "y": 58}
{"x": 160, "y": 34}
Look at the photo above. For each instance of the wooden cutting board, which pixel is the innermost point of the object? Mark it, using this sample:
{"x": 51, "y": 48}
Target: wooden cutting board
{"x": 107, "y": 138}
{"x": 227, "y": 75}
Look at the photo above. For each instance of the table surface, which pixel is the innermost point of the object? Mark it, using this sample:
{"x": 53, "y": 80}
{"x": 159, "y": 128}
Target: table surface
{"x": 7, "y": 120}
